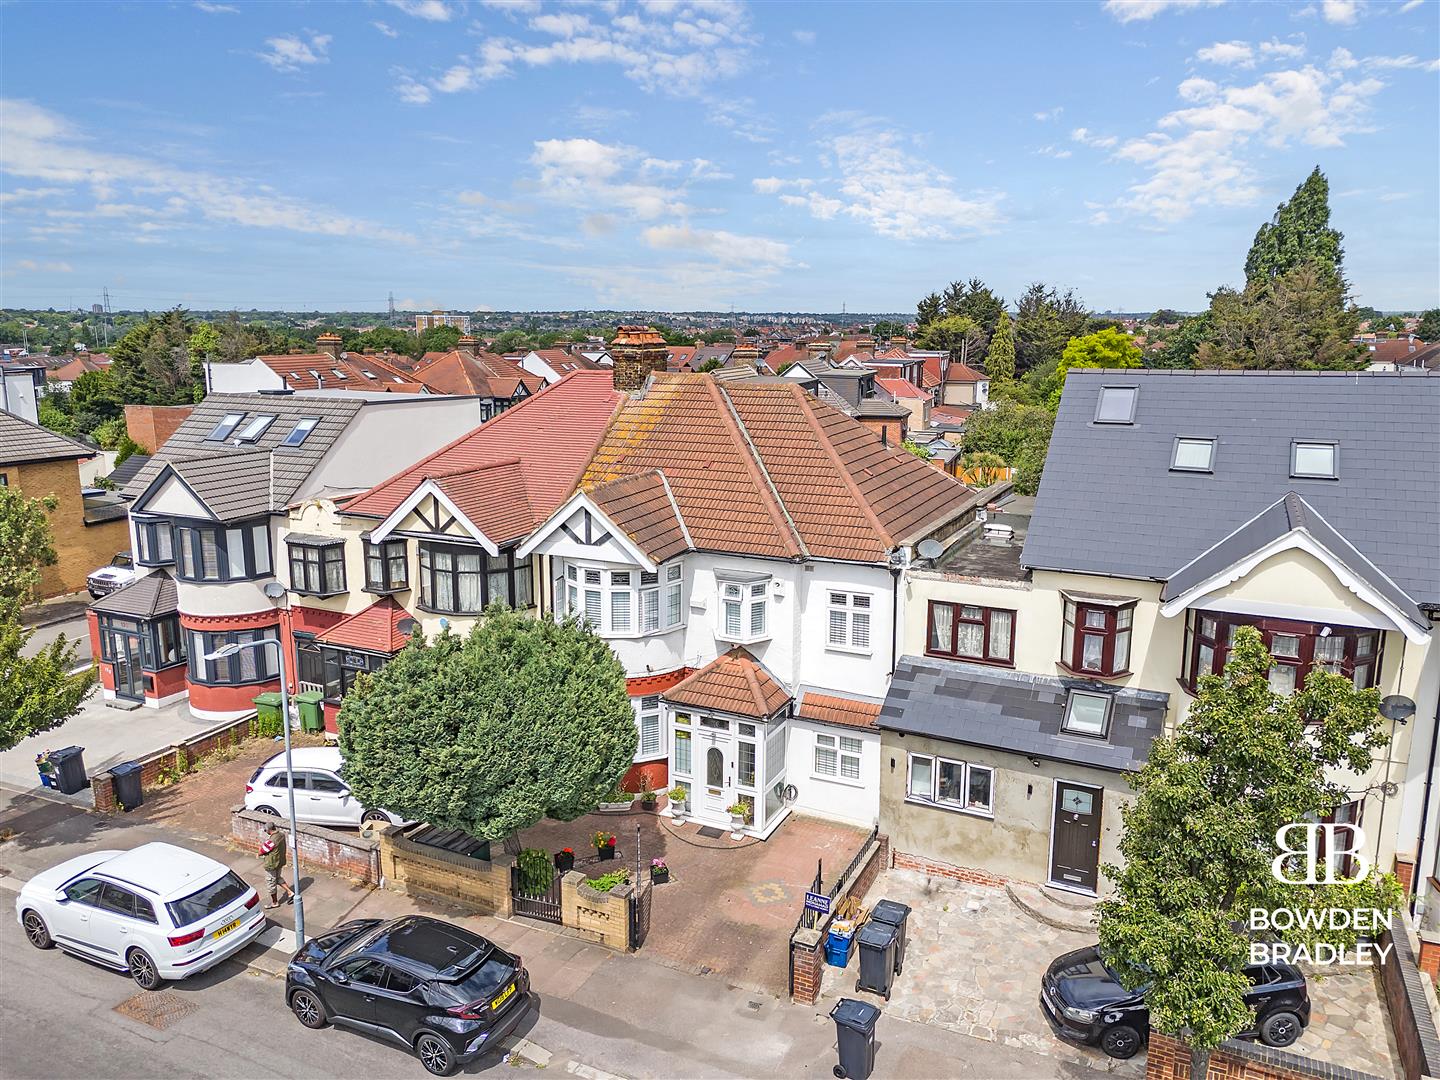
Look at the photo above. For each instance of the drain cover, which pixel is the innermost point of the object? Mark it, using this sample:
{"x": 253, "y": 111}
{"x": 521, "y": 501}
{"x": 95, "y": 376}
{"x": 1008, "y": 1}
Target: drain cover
{"x": 159, "y": 1009}
{"x": 710, "y": 832}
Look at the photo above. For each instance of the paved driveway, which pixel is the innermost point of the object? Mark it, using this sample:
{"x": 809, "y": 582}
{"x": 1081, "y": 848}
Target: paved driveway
{"x": 974, "y": 961}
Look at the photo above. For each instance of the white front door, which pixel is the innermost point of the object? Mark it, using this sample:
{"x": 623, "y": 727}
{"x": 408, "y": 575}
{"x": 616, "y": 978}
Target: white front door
{"x": 717, "y": 773}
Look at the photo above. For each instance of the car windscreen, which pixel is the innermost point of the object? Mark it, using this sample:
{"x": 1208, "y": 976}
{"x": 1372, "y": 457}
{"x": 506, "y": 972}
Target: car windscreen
{"x": 483, "y": 982}
{"x": 207, "y": 901}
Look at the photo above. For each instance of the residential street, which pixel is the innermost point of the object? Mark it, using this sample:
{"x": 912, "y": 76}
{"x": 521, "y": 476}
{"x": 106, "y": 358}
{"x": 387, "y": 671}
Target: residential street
{"x": 600, "y": 1013}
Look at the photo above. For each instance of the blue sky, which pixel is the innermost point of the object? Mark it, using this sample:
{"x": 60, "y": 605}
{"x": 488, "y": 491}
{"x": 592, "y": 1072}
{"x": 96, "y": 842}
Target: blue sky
{"x": 702, "y": 154}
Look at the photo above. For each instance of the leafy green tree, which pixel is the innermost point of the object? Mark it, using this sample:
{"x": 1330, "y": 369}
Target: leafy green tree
{"x": 26, "y": 542}
{"x": 438, "y": 339}
{"x": 525, "y": 718}
{"x": 37, "y": 693}
{"x": 508, "y": 342}
{"x": 1294, "y": 322}
{"x": 1181, "y": 347}
{"x": 1018, "y": 434}
{"x": 1200, "y": 836}
{"x": 109, "y": 434}
{"x": 712, "y": 364}
{"x": 984, "y": 467}
{"x": 381, "y": 338}
{"x": 922, "y": 452}
{"x": 1045, "y": 320}
{"x": 94, "y": 398}
{"x": 1298, "y": 235}
{"x": 1109, "y": 348}
{"x": 151, "y": 363}
{"x": 1000, "y": 358}
{"x": 927, "y": 310}
{"x": 959, "y": 335}
{"x": 717, "y": 337}
{"x": 1366, "y": 313}
{"x": 1164, "y": 317}
{"x": 887, "y": 328}
{"x": 53, "y": 413}
{"x": 1429, "y": 328}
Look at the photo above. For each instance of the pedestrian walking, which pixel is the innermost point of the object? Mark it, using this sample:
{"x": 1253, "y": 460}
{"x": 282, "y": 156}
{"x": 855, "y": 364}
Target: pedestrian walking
{"x": 272, "y": 855}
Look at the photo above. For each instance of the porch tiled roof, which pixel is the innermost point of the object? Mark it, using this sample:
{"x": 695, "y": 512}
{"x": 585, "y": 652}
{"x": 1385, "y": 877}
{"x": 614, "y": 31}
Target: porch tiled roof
{"x": 734, "y": 682}
{"x": 145, "y": 598}
{"x": 831, "y": 709}
{"x": 373, "y": 629}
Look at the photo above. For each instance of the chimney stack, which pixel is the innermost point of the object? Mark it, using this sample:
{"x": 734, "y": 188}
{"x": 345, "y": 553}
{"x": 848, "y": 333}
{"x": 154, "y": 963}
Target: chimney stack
{"x": 329, "y": 343}
{"x": 467, "y": 343}
{"x": 637, "y": 351}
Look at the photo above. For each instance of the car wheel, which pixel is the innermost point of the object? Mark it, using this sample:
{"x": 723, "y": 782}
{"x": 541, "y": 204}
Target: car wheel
{"x": 144, "y": 971}
{"x": 374, "y": 815}
{"x": 435, "y": 1054}
{"x": 37, "y": 931}
{"x": 1121, "y": 1041}
{"x": 1280, "y": 1029}
{"x": 308, "y": 1009}
{"x": 267, "y": 810}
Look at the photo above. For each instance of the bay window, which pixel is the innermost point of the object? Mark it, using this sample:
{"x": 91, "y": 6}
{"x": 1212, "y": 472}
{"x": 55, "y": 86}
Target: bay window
{"x": 317, "y": 569}
{"x": 1296, "y": 648}
{"x": 252, "y": 665}
{"x": 219, "y": 553}
{"x": 161, "y": 642}
{"x": 387, "y": 566}
{"x": 744, "y": 608}
{"x": 850, "y": 621}
{"x": 955, "y": 785}
{"x": 970, "y": 632}
{"x": 1096, "y": 635}
{"x": 624, "y": 602}
{"x": 154, "y": 543}
{"x": 461, "y": 580}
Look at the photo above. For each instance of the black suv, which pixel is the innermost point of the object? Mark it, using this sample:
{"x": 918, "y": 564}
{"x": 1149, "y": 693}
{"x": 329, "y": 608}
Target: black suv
{"x": 444, "y": 993}
{"x": 1086, "y": 1003}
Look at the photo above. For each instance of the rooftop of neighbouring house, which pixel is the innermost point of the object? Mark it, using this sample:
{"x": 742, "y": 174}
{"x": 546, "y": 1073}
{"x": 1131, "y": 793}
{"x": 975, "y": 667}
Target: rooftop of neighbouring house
{"x": 989, "y": 551}
{"x": 466, "y": 371}
{"x": 349, "y": 371}
{"x": 22, "y": 442}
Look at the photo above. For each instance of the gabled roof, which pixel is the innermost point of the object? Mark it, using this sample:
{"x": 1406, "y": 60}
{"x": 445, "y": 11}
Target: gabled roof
{"x": 148, "y": 597}
{"x": 322, "y": 371}
{"x": 482, "y": 374}
{"x": 766, "y": 469}
{"x": 901, "y": 389}
{"x": 964, "y": 373}
{"x": 1385, "y": 501}
{"x": 373, "y": 629}
{"x": 127, "y": 470}
{"x": 734, "y": 682}
{"x": 930, "y": 372}
{"x": 82, "y": 364}
{"x": 21, "y": 442}
{"x": 511, "y": 472}
{"x": 645, "y": 508}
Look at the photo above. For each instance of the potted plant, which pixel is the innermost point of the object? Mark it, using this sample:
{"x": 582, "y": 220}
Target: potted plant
{"x": 659, "y": 871}
{"x": 739, "y": 818}
{"x": 648, "y": 801}
{"x": 678, "y": 795}
{"x": 565, "y": 859}
{"x": 604, "y": 845}
{"x": 617, "y": 800}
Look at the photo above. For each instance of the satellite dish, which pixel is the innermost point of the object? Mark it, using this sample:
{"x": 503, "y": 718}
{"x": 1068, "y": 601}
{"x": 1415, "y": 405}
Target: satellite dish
{"x": 930, "y": 549}
{"x": 1397, "y": 707}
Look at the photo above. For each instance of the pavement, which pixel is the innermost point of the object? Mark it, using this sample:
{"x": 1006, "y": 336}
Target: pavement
{"x": 601, "y": 1014}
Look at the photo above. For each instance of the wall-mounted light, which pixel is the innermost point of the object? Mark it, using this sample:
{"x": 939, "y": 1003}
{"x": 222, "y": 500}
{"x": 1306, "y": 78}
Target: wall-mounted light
{"x": 1035, "y": 761}
{"x": 892, "y": 764}
{"x": 1324, "y": 631}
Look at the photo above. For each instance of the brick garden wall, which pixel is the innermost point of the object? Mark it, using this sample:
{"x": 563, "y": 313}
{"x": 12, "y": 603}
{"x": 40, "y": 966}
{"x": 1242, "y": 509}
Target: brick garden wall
{"x": 600, "y": 917}
{"x": 349, "y": 853}
{"x": 1410, "y": 1016}
{"x": 478, "y": 884}
{"x": 970, "y": 875}
{"x": 1169, "y": 1059}
{"x": 807, "y": 959}
{"x": 182, "y": 754}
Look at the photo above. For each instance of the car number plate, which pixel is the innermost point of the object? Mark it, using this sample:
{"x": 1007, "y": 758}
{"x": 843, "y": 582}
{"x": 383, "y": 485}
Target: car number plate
{"x": 505, "y": 996}
{"x": 226, "y": 929}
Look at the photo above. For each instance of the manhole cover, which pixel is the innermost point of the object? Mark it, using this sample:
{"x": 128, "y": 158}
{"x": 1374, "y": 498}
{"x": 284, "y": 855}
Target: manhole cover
{"x": 159, "y": 1009}
{"x": 710, "y": 832}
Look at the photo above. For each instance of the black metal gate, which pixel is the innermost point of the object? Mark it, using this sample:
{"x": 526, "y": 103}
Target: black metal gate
{"x": 542, "y": 905}
{"x": 639, "y": 905}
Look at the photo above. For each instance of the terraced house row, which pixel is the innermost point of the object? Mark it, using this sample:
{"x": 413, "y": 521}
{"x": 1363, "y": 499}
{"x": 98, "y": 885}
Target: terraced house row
{"x": 812, "y": 620}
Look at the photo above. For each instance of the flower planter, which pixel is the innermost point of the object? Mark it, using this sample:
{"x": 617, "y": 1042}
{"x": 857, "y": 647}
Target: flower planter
{"x": 649, "y": 807}
{"x": 737, "y": 826}
{"x": 564, "y": 861}
{"x": 615, "y": 807}
{"x": 659, "y": 875}
{"x": 605, "y": 854}
{"x": 677, "y": 810}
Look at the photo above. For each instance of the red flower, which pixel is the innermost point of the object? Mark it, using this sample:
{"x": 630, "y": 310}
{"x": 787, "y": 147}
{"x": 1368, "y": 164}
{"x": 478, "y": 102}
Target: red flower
{"x": 567, "y": 851}
{"x": 610, "y": 842}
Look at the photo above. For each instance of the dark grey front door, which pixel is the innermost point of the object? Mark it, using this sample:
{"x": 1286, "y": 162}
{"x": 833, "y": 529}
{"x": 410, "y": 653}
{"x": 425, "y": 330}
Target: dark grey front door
{"x": 1075, "y": 836}
{"x": 129, "y": 678}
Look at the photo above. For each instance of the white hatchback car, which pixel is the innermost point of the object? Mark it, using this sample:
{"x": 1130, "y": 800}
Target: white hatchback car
{"x": 158, "y": 911}
{"x": 321, "y": 797}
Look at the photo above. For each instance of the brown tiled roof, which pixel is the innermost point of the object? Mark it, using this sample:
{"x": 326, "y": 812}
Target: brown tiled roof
{"x": 22, "y": 441}
{"x": 643, "y": 506}
{"x": 964, "y": 373}
{"x": 734, "y": 683}
{"x": 296, "y": 371}
{"x": 483, "y": 374}
{"x": 829, "y": 709}
{"x": 373, "y": 629}
{"x": 930, "y": 372}
{"x": 901, "y": 388}
{"x": 767, "y": 469}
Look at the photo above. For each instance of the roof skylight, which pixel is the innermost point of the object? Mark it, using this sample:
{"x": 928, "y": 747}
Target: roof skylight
{"x": 255, "y": 428}
{"x": 1116, "y": 405}
{"x": 300, "y": 431}
{"x": 222, "y": 430}
{"x": 1316, "y": 460}
{"x": 1193, "y": 455}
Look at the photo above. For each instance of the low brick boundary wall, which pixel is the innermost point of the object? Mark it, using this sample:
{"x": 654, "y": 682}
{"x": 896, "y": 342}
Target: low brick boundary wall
{"x": 346, "y": 852}
{"x": 970, "y": 875}
{"x": 1169, "y": 1059}
{"x": 603, "y": 918}
{"x": 1410, "y": 1016}
{"x": 807, "y": 947}
{"x": 479, "y": 884}
{"x": 184, "y": 754}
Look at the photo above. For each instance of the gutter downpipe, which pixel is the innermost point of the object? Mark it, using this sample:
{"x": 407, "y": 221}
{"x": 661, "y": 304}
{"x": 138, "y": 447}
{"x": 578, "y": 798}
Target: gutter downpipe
{"x": 1425, "y": 804}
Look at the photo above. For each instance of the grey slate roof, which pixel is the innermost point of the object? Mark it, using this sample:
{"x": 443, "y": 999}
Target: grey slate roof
{"x": 144, "y": 598}
{"x": 1109, "y": 504}
{"x": 237, "y": 481}
{"x": 22, "y": 441}
{"x": 127, "y": 470}
{"x": 1278, "y": 519}
{"x": 1017, "y": 712}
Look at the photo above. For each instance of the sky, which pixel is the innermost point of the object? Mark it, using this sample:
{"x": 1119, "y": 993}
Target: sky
{"x": 702, "y": 154}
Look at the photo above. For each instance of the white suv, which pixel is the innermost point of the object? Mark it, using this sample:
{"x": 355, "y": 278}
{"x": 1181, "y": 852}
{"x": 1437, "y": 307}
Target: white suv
{"x": 119, "y": 572}
{"x": 157, "y": 911}
{"x": 321, "y": 797}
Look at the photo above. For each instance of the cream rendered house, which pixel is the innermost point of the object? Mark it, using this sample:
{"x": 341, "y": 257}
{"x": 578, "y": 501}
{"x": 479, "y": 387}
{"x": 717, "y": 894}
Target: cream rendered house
{"x": 1046, "y": 651}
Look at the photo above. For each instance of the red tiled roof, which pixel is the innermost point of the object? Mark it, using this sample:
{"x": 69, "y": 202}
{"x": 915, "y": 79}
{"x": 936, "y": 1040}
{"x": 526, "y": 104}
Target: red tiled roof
{"x": 930, "y": 373}
{"x": 82, "y": 364}
{"x": 786, "y": 354}
{"x": 373, "y": 629}
{"x": 734, "y": 682}
{"x": 678, "y": 357}
{"x": 901, "y": 388}
{"x": 964, "y": 373}
{"x": 947, "y": 415}
{"x": 512, "y": 472}
{"x": 1395, "y": 351}
{"x": 893, "y": 353}
{"x": 829, "y": 709}
{"x": 296, "y": 373}
{"x": 484, "y": 374}
{"x": 769, "y": 470}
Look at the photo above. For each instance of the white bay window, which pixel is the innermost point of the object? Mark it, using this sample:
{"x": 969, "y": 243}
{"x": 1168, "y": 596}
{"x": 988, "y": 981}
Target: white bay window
{"x": 744, "y": 608}
{"x": 624, "y": 602}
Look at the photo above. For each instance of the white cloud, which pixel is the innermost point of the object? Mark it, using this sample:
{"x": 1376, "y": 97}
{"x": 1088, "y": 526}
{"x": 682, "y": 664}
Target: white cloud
{"x": 290, "y": 52}
{"x": 1410, "y": 5}
{"x": 30, "y": 194}
{"x": 807, "y": 37}
{"x": 1341, "y": 12}
{"x": 1053, "y": 152}
{"x": 429, "y": 10}
{"x": 460, "y": 77}
{"x": 44, "y": 267}
{"x": 1400, "y": 62}
{"x": 1275, "y": 49}
{"x": 773, "y": 185}
{"x": 593, "y": 175}
{"x": 216, "y": 9}
{"x": 513, "y": 7}
{"x": 410, "y": 91}
{"x": 1197, "y": 89}
{"x": 1144, "y": 10}
{"x": 386, "y": 29}
{"x": 1089, "y": 138}
{"x": 471, "y": 198}
{"x": 43, "y": 145}
{"x": 1342, "y": 59}
{"x": 1050, "y": 114}
{"x": 717, "y": 244}
{"x": 565, "y": 24}
{"x": 1228, "y": 54}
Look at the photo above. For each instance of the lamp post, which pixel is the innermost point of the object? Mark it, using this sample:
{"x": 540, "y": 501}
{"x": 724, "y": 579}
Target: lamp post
{"x": 230, "y": 650}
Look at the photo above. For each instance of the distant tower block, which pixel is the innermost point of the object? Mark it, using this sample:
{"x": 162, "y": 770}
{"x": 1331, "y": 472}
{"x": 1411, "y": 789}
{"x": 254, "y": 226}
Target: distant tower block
{"x": 637, "y": 351}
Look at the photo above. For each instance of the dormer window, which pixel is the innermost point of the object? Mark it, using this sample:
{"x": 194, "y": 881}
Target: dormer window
{"x": 1193, "y": 455}
{"x": 1314, "y": 460}
{"x": 222, "y": 430}
{"x": 255, "y": 428}
{"x": 1116, "y": 405}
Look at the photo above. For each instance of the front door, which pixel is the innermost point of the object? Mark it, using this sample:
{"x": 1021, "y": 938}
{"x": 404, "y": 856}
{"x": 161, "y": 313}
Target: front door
{"x": 1075, "y": 837}
{"x": 129, "y": 678}
{"x": 717, "y": 798}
